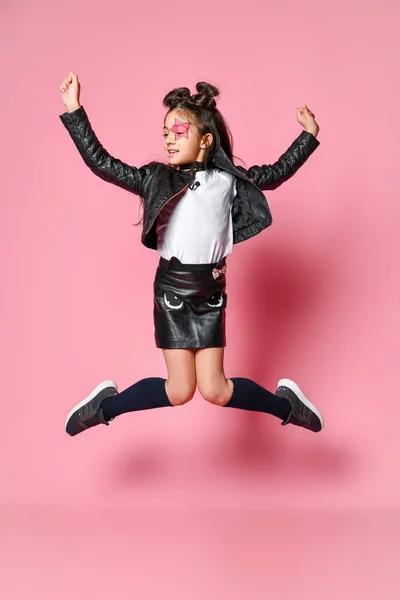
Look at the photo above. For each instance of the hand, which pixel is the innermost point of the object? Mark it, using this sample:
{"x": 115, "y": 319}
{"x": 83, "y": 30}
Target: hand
{"x": 306, "y": 118}
{"x": 70, "y": 90}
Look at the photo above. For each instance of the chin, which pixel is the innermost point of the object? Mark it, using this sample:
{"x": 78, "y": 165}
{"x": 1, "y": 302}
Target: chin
{"x": 173, "y": 160}
{"x": 176, "y": 161}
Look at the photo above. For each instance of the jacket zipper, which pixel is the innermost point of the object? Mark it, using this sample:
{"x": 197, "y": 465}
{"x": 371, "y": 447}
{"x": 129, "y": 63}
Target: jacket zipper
{"x": 165, "y": 203}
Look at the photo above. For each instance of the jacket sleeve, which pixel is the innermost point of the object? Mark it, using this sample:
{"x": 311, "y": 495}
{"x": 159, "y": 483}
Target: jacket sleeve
{"x": 96, "y": 157}
{"x": 269, "y": 177}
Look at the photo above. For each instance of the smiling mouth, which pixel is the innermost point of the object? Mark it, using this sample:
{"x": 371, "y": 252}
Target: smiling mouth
{"x": 171, "y": 152}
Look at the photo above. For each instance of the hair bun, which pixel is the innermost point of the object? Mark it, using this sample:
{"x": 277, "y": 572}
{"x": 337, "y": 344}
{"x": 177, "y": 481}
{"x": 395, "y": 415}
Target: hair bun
{"x": 205, "y": 96}
{"x": 203, "y": 99}
{"x": 176, "y": 96}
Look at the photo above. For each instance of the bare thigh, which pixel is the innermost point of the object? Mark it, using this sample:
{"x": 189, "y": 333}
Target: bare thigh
{"x": 211, "y": 380}
{"x": 181, "y": 383}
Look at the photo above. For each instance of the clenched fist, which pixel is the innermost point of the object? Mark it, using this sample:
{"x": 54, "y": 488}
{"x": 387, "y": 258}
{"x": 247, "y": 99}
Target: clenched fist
{"x": 70, "y": 91}
{"x": 307, "y": 118}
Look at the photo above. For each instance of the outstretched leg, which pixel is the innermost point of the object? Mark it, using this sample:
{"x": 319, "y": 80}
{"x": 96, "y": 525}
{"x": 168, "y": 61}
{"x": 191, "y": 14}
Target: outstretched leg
{"x": 288, "y": 404}
{"x": 104, "y": 403}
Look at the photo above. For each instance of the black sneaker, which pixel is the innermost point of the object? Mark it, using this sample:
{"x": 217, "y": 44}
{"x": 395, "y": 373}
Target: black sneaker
{"x": 303, "y": 412}
{"x": 89, "y": 412}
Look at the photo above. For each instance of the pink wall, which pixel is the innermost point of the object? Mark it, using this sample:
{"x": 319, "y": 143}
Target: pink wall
{"x": 72, "y": 263}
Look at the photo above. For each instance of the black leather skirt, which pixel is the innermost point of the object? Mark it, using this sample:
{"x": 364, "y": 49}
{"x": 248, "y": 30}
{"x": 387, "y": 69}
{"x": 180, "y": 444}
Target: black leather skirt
{"x": 189, "y": 304}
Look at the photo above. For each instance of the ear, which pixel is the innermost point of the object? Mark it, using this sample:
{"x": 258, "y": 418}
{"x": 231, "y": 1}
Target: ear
{"x": 206, "y": 140}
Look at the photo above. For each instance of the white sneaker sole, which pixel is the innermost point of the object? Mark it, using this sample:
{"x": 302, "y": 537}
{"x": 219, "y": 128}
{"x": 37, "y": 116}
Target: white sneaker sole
{"x": 102, "y": 386}
{"x": 295, "y": 388}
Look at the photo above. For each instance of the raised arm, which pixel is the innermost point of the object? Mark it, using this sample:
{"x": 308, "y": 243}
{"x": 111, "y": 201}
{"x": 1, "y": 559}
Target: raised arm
{"x": 269, "y": 177}
{"x": 95, "y": 156}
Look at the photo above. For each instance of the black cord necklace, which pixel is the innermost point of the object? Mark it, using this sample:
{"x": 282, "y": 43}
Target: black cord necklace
{"x": 192, "y": 166}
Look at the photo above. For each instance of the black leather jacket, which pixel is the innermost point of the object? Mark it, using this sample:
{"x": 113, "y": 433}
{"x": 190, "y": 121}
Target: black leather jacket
{"x": 157, "y": 182}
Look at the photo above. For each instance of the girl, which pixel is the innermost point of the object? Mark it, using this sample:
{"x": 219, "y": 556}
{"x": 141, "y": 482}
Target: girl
{"x": 194, "y": 209}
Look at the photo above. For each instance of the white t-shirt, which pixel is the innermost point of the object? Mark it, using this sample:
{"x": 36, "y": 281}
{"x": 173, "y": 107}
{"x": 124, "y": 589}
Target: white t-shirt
{"x": 197, "y": 227}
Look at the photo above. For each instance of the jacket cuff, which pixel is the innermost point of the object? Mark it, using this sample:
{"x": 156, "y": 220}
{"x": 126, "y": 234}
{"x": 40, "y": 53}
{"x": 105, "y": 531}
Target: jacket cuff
{"x": 310, "y": 139}
{"x": 73, "y": 116}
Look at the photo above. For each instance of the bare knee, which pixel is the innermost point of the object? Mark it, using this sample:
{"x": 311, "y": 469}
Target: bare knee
{"x": 210, "y": 376}
{"x": 179, "y": 394}
{"x": 216, "y": 394}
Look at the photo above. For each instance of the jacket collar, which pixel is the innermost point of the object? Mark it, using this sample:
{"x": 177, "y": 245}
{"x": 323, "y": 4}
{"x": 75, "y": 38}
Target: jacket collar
{"x": 222, "y": 160}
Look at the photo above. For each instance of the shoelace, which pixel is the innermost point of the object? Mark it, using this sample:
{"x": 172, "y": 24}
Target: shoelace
{"x": 300, "y": 415}
{"x": 95, "y": 420}
{"x": 88, "y": 418}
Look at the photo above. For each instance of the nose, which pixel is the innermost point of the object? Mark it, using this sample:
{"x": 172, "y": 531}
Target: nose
{"x": 170, "y": 138}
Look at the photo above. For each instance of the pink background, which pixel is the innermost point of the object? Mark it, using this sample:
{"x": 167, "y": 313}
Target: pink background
{"x": 198, "y": 502}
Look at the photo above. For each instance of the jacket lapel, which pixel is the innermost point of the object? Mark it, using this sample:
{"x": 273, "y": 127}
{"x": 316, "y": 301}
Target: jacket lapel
{"x": 221, "y": 160}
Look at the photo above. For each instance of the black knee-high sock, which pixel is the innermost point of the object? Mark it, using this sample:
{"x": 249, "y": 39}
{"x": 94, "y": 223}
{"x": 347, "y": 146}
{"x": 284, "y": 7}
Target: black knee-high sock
{"x": 142, "y": 395}
{"x": 248, "y": 395}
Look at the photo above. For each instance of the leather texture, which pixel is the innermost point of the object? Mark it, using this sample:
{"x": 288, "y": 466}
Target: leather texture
{"x": 158, "y": 182}
{"x": 189, "y": 307}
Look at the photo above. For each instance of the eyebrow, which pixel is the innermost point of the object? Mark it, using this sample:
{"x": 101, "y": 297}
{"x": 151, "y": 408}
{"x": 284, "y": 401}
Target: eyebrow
{"x": 165, "y": 127}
